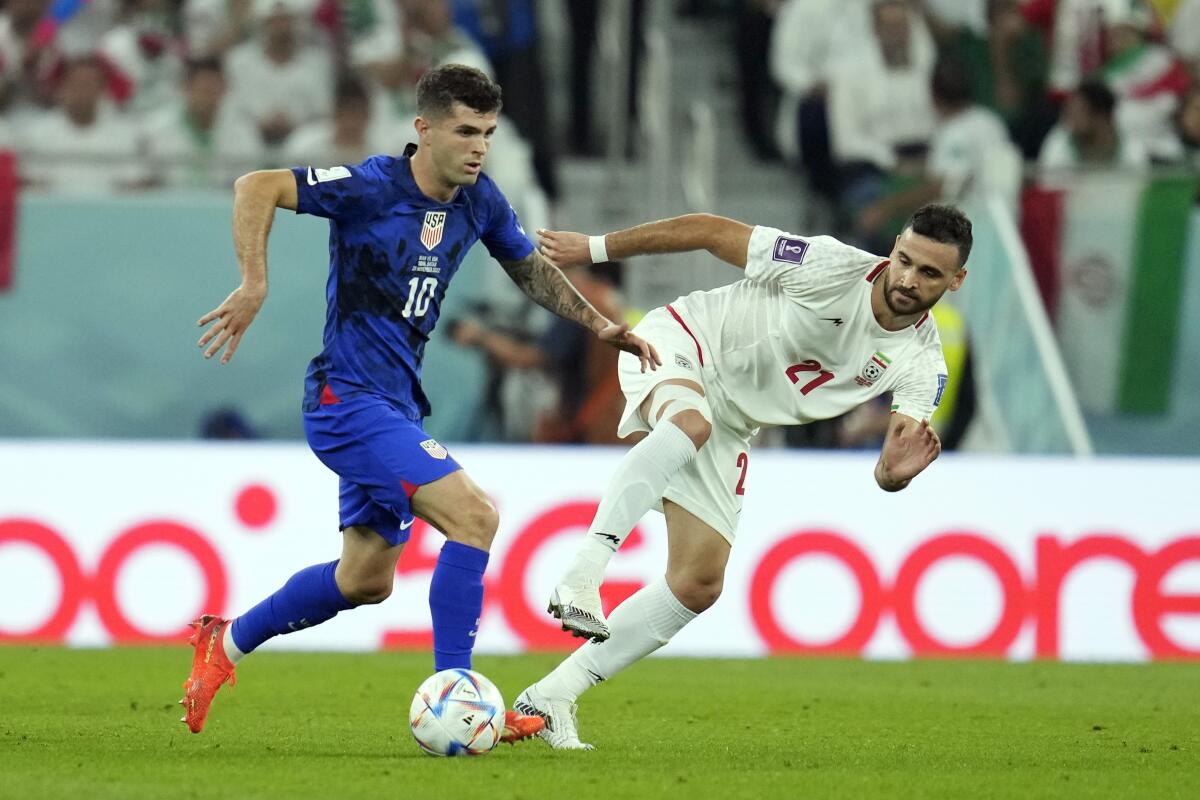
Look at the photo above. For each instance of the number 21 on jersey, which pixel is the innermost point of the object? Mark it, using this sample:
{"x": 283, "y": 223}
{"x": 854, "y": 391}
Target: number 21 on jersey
{"x": 823, "y": 375}
{"x": 420, "y": 295}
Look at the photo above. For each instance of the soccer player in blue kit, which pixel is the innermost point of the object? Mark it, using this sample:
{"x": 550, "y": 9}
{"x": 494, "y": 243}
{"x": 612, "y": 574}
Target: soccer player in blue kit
{"x": 399, "y": 228}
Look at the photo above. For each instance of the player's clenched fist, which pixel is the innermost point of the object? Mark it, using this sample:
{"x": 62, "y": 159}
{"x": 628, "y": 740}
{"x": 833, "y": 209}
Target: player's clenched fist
{"x": 230, "y": 321}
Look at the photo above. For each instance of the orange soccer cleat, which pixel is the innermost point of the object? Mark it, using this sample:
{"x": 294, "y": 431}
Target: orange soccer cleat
{"x": 520, "y": 726}
{"x": 210, "y": 669}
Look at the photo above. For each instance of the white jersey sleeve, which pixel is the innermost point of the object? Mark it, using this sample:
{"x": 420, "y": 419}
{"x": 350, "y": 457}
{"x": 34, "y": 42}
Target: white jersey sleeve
{"x": 804, "y": 266}
{"x": 919, "y": 391}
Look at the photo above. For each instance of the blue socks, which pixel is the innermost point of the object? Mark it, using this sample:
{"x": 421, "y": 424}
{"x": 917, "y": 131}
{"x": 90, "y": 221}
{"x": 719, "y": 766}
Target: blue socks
{"x": 456, "y": 603}
{"x": 310, "y": 597}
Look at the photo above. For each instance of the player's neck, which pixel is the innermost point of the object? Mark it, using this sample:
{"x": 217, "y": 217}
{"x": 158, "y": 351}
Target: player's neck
{"x": 888, "y": 320}
{"x": 427, "y": 180}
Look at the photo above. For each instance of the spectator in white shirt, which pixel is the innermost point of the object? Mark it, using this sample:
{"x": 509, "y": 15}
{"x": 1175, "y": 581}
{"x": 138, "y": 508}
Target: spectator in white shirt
{"x": 196, "y": 141}
{"x": 144, "y": 57}
{"x": 211, "y": 27}
{"x": 1078, "y": 47}
{"x": 83, "y": 146}
{"x": 1087, "y": 136}
{"x": 348, "y": 138}
{"x": 17, "y": 59}
{"x": 1148, "y": 80}
{"x": 803, "y": 53}
{"x": 426, "y": 37}
{"x": 278, "y": 79}
{"x": 880, "y": 109}
{"x": 970, "y": 158}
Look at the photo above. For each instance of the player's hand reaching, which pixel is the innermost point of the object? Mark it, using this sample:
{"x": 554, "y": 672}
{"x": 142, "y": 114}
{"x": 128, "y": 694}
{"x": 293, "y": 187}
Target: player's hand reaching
{"x": 910, "y": 447}
{"x": 230, "y": 321}
{"x": 620, "y": 337}
{"x": 564, "y": 248}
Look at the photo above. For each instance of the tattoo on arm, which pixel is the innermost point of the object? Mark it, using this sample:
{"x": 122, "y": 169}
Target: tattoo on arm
{"x": 548, "y": 287}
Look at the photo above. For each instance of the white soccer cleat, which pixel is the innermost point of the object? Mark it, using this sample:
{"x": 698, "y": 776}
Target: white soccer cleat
{"x": 561, "y": 731}
{"x": 577, "y": 606}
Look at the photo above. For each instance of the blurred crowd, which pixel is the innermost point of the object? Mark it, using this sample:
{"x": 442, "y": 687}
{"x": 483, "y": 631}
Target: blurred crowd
{"x": 888, "y": 104}
{"x": 881, "y": 105}
{"x": 121, "y": 95}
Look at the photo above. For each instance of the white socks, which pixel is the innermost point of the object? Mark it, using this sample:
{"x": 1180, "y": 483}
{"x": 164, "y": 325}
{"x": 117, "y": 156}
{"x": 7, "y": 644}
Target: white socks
{"x": 640, "y": 625}
{"x": 639, "y": 483}
{"x": 231, "y": 650}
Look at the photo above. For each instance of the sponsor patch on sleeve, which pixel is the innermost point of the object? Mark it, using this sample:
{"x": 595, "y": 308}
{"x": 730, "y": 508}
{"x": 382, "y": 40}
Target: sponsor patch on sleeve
{"x": 316, "y": 176}
{"x": 937, "y": 398}
{"x": 790, "y": 250}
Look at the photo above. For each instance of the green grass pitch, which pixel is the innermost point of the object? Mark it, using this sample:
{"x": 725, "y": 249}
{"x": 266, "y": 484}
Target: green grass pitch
{"x": 104, "y": 724}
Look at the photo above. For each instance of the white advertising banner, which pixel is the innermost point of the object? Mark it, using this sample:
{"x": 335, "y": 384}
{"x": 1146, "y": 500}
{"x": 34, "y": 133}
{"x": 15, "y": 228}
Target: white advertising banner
{"x": 1007, "y": 557}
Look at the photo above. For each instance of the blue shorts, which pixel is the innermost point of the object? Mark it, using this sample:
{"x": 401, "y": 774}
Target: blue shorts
{"x": 381, "y": 457}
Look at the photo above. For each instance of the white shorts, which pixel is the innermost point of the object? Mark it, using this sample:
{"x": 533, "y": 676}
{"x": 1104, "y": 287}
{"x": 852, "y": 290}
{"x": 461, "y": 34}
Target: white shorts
{"x": 710, "y": 487}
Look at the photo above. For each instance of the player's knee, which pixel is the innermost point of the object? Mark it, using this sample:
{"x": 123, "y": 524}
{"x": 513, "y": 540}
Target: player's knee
{"x": 477, "y": 523}
{"x": 365, "y": 590}
{"x": 693, "y": 423}
{"x": 697, "y": 593}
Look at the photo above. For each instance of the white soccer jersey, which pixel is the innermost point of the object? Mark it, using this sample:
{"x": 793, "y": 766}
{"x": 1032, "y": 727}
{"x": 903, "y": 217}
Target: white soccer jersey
{"x": 797, "y": 341}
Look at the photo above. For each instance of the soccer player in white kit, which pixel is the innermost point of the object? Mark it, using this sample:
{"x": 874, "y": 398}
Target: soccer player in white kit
{"x": 816, "y": 328}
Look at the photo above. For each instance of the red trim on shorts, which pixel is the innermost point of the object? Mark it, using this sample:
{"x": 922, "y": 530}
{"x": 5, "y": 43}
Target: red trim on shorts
{"x": 328, "y": 398}
{"x": 409, "y": 488}
{"x": 874, "y": 273}
{"x": 683, "y": 324}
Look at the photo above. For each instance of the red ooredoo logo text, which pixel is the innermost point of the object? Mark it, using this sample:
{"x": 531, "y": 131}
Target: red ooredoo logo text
{"x": 1026, "y": 599}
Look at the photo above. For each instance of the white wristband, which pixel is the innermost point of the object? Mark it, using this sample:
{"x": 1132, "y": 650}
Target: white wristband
{"x": 598, "y": 250}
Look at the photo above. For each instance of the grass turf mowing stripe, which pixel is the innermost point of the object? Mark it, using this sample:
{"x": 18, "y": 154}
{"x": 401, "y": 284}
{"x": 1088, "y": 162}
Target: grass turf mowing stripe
{"x": 103, "y": 723}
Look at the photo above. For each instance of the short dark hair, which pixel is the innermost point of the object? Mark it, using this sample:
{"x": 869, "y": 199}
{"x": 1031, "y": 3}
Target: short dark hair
{"x": 951, "y": 87}
{"x": 439, "y": 89}
{"x": 1096, "y": 95}
{"x": 945, "y": 224}
{"x": 197, "y": 66}
{"x": 349, "y": 89}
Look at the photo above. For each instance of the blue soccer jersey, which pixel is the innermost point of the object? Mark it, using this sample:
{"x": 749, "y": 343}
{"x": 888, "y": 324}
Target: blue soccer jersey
{"x": 392, "y": 253}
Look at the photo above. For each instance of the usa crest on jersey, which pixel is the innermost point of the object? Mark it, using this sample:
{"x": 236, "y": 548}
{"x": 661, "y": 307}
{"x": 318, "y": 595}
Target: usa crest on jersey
{"x": 432, "y": 230}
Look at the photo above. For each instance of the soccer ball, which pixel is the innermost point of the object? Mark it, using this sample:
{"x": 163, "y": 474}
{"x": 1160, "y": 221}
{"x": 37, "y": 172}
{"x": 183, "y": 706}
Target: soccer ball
{"x": 457, "y": 712}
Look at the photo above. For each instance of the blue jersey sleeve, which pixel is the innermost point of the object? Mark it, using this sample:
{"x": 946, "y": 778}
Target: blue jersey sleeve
{"x": 502, "y": 233}
{"x": 353, "y": 192}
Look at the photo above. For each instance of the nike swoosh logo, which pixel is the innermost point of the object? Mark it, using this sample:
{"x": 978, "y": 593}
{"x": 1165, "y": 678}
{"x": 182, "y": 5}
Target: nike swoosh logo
{"x": 312, "y": 177}
{"x": 406, "y": 525}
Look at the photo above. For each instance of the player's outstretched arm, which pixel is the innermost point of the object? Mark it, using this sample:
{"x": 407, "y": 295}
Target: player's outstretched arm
{"x": 548, "y": 287}
{"x": 910, "y": 447}
{"x": 725, "y": 238}
{"x": 255, "y": 198}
